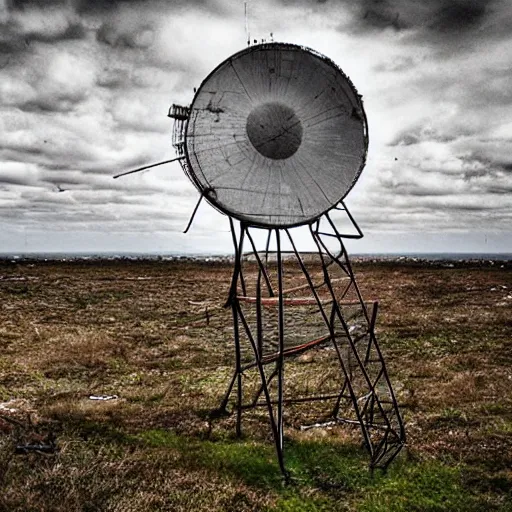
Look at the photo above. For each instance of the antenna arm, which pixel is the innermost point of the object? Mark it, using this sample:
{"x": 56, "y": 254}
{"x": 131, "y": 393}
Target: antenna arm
{"x": 203, "y": 193}
{"x": 149, "y": 166}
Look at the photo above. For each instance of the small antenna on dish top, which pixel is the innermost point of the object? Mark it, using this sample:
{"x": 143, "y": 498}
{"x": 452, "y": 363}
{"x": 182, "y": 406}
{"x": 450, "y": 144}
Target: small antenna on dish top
{"x": 247, "y": 34}
{"x": 247, "y": 31}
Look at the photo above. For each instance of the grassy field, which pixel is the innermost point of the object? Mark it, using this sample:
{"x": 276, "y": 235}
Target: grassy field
{"x": 139, "y": 331}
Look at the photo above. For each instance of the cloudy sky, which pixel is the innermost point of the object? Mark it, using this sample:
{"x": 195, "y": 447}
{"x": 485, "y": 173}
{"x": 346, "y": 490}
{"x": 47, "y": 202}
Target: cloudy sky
{"x": 85, "y": 87}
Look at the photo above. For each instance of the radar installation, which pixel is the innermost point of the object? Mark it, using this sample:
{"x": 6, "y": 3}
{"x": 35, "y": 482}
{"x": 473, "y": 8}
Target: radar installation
{"x": 275, "y": 138}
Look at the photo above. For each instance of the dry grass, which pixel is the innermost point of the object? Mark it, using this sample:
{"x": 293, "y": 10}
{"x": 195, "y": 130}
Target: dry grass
{"x": 72, "y": 330}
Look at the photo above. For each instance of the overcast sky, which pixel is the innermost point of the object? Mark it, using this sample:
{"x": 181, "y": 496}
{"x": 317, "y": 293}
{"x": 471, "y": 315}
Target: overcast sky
{"x": 85, "y": 87}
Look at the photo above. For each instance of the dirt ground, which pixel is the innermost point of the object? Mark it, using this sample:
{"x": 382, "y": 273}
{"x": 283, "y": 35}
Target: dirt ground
{"x": 156, "y": 338}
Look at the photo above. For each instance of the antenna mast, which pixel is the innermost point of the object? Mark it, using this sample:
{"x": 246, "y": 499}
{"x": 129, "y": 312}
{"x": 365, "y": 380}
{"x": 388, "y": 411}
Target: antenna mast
{"x": 247, "y": 34}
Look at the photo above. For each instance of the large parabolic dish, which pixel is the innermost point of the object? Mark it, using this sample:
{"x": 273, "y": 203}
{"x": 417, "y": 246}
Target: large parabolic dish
{"x": 276, "y": 135}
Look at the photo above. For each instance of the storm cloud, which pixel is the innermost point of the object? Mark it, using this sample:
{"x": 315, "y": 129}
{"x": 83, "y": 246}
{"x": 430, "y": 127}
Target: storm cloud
{"x": 85, "y": 87}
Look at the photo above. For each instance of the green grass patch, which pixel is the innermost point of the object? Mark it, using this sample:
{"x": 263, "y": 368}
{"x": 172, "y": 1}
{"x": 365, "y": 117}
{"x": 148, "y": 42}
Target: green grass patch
{"x": 330, "y": 476}
{"x": 254, "y": 463}
{"x": 421, "y": 487}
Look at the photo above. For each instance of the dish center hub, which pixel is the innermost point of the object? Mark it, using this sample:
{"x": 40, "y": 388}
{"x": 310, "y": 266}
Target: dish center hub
{"x": 274, "y": 130}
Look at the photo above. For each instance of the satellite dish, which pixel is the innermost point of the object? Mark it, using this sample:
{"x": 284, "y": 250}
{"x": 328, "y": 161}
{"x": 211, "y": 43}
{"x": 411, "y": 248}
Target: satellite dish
{"x": 276, "y": 136}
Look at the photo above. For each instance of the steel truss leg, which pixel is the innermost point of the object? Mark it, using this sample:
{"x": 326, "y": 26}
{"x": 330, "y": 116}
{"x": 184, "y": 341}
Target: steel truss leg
{"x": 366, "y": 386}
